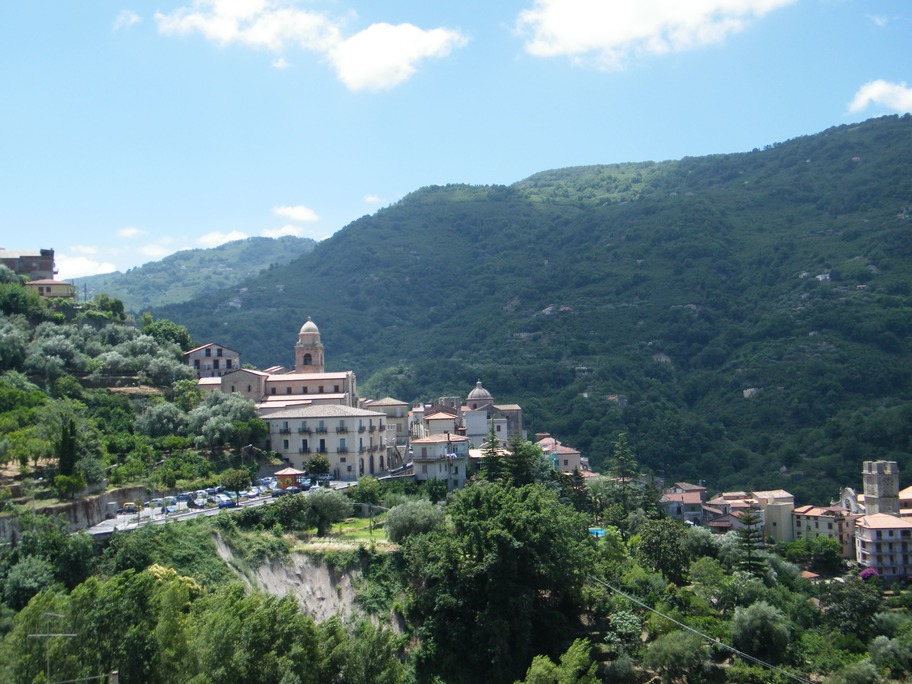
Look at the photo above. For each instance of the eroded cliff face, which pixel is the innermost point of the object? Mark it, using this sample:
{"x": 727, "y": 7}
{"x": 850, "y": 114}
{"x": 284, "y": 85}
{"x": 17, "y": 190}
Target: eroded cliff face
{"x": 321, "y": 591}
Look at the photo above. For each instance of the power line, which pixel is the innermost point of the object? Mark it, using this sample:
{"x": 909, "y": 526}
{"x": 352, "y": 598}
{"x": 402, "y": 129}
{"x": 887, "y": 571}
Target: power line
{"x": 713, "y": 640}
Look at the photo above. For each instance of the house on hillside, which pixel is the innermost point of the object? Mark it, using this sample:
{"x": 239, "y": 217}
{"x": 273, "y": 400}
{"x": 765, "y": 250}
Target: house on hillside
{"x": 833, "y": 522}
{"x": 777, "y": 506}
{"x": 212, "y": 360}
{"x": 396, "y": 412}
{"x": 33, "y": 265}
{"x": 564, "y": 459}
{"x": 441, "y": 457}
{"x": 52, "y": 289}
{"x": 884, "y": 542}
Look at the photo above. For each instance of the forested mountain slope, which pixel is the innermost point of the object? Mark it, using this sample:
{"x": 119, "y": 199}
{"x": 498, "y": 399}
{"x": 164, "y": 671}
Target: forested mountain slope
{"x": 193, "y": 273}
{"x": 644, "y": 298}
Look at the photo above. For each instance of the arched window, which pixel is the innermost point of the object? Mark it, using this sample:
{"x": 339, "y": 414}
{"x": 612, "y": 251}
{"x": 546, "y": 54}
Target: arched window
{"x": 307, "y": 360}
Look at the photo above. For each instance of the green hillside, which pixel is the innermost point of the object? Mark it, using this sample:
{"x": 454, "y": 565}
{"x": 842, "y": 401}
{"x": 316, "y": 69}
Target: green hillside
{"x": 193, "y": 273}
{"x": 643, "y": 298}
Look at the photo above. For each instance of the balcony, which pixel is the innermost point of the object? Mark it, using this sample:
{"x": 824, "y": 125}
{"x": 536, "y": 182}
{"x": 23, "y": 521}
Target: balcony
{"x": 341, "y": 430}
{"x": 321, "y": 450}
{"x": 342, "y": 450}
{"x": 303, "y": 450}
{"x": 322, "y": 430}
{"x": 362, "y": 449}
{"x": 361, "y": 428}
{"x": 284, "y": 431}
{"x": 304, "y": 431}
{"x": 373, "y": 428}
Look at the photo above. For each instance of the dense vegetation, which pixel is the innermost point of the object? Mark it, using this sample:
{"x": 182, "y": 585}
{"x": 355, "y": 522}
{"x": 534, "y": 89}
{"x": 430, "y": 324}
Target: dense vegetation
{"x": 744, "y": 318}
{"x": 193, "y": 273}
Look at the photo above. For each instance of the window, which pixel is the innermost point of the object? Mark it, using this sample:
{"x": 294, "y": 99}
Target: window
{"x": 342, "y": 460}
{"x": 307, "y": 360}
{"x": 218, "y": 352}
{"x": 215, "y": 364}
{"x": 498, "y": 428}
{"x": 208, "y": 353}
{"x": 320, "y": 389}
{"x": 272, "y": 390}
{"x": 424, "y": 468}
{"x": 336, "y": 389}
{"x": 566, "y": 462}
{"x": 232, "y": 388}
{"x": 196, "y": 363}
{"x": 285, "y": 444}
{"x": 342, "y": 446}
{"x": 248, "y": 388}
{"x": 288, "y": 390}
{"x": 227, "y": 363}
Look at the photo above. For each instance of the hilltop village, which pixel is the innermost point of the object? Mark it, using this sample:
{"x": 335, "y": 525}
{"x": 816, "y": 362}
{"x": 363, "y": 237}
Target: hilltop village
{"x": 311, "y": 411}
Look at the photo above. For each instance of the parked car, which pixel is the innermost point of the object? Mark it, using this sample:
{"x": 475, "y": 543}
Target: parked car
{"x": 183, "y": 496}
{"x": 279, "y": 492}
{"x": 196, "y": 503}
{"x": 227, "y": 503}
{"x": 128, "y": 507}
{"x": 293, "y": 489}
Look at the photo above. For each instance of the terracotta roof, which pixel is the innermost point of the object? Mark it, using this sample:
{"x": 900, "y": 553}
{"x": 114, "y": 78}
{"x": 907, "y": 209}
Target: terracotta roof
{"x": 388, "y": 401}
{"x": 438, "y": 439}
{"x": 683, "y": 497}
{"x": 289, "y": 471}
{"x": 324, "y": 411}
{"x": 210, "y": 381}
{"x": 285, "y": 377}
{"x": 882, "y": 521}
{"x": 49, "y": 281}
{"x": 440, "y": 416}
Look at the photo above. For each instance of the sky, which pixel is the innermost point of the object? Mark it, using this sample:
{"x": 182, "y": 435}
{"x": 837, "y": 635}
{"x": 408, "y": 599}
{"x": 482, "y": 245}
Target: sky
{"x": 131, "y": 129}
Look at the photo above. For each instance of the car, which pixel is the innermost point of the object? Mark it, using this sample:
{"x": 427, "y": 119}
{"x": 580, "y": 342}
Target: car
{"x": 306, "y": 484}
{"x": 128, "y": 507}
{"x": 183, "y": 496}
{"x": 279, "y": 492}
{"x": 293, "y": 489}
{"x": 227, "y": 503}
{"x": 196, "y": 503}
{"x": 252, "y": 493}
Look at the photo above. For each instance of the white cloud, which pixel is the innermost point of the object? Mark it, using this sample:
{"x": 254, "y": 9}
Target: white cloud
{"x": 155, "y": 250}
{"x": 70, "y": 267}
{"x": 294, "y": 231}
{"x": 377, "y": 58}
{"x": 126, "y": 19}
{"x": 895, "y": 96}
{"x": 270, "y": 24}
{"x": 217, "y": 237}
{"x": 296, "y": 213}
{"x": 382, "y": 55}
{"x": 372, "y": 199}
{"x": 878, "y": 20}
{"x": 607, "y": 33}
{"x": 130, "y": 232}
{"x": 86, "y": 250}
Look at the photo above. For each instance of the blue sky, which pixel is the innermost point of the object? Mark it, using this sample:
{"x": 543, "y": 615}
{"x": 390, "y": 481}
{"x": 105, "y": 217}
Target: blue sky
{"x": 130, "y": 130}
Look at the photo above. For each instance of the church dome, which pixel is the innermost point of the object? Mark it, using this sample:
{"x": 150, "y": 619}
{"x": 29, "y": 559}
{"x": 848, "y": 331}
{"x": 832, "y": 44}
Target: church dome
{"x": 479, "y": 393}
{"x": 309, "y": 327}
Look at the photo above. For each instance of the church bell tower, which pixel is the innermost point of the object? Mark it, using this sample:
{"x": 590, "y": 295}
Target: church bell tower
{"x": 309, "y": 349}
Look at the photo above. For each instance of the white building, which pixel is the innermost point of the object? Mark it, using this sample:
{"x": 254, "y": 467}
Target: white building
{"x": 352, "y": 439}
{"x": 883, "y": 542}
{"x": 441, "y": 457}
{"x": 212, "y": 360}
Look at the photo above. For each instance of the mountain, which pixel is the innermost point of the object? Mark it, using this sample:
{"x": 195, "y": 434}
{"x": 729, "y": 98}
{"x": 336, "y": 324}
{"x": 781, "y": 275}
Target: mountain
{"x": 194, "y": 273}
{"x": 744, "y": 318}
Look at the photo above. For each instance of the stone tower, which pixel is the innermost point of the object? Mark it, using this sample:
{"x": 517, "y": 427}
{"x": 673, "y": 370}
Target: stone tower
{"x": 309, "y": 349}
{"x": 881, "y": 487}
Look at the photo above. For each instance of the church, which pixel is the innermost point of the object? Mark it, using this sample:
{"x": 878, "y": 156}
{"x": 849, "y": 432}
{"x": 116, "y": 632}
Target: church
{"x": 309, "y": 411}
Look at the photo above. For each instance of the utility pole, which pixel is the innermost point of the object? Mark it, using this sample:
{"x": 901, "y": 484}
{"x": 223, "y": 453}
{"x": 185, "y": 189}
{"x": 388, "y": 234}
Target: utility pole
{"x": 47, "y": 647}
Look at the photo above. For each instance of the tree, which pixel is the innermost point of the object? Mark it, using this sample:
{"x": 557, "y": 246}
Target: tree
{"x": 493, "y": 467}
{"x": 660, "y": 545}
{"x": 235, "y": 480}
{"x": 750, "y": 542}
{"x": 676, "y": 654}
{"x": 367, "y": 491}
{"x": 327, "y": 506}
{"x": 624, "y": 467}
{"x": 850, "y": 606}
{"x": 161, "y": 420}
{"x": 67, "y": 448}
{"x": 436, "y": 490}
{"x": 165, "y": 331}
{"x": 411, "y": 518}
{"x": 67, "y": 486}
{"x": 186, "y": 394}
{"x": 317, "y": 464}
{"x": 26, "y": 578}
{"x": 762, "y": 631}
{"x": 499, "y": 584}
{"x": 576, "y": 667}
